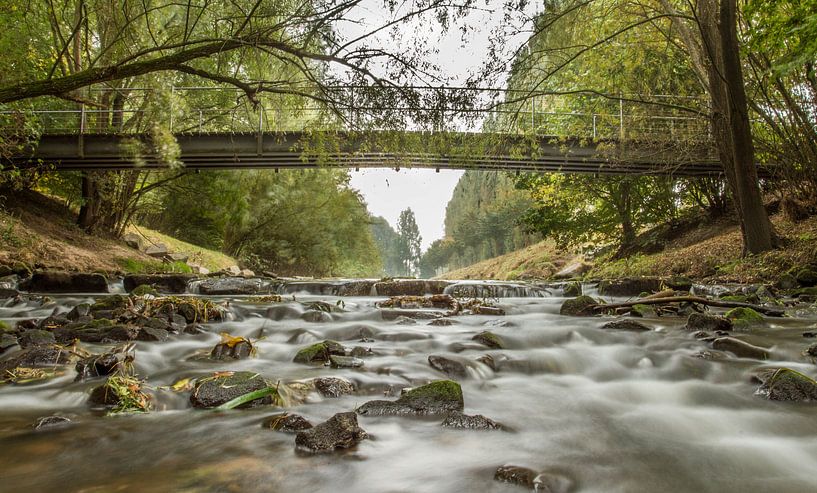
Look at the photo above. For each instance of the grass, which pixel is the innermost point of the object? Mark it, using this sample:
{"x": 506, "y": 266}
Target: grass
{"x": 211, "y": 259}
{"x": 139, "y": 266}
{"x": 536, "y": 261}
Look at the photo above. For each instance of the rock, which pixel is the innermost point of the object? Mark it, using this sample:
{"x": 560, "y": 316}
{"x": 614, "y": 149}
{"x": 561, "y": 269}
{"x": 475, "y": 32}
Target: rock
{"x": 338, "y": 432}
{"x": 223, "y": 387}
{"x": 316, "y": 316}
{"x": 36, "y": 357}
{"x": 572, "y": 290}
{"x": 163, "y": 283}
{"x": 99, "y": 331}
{"x": 177, "y": 257}
{"x": 36, "y": 337}
{"x": 642, "y": 310}
{"x": 402, "y": 320}
{"x": 345, "y": 361}
{"x": 521, "y": 476}
{"x": 193, "y": 329}
{"x": 247, "y": 273}
{"x": 97, "y": 365}
{"x": 437, "y": 398}
{"x": 450, "y": 367}
{"x": 812, "y": 350}
{"x": 409, "y": 287}
{"x": 120, "y": 393}
{"x": 361, "y": 352}
{"x": 443, "y": 322}
{"x": 52, "y": 322}
{"x": 466, "y": 422}
{"x": 223, "y": 286}
{"x": 488, "y": 360}
{"x": 233, "y": 270}
{"x": 625, "y": 324}
{"x": 578, "y": 307}
{"x": 78, "y": 312}
{"x": 786, "y": 282}
{"x": 744, "y": 317}
{"x": 333, "y": 387}
{"x": 287, "y": 422}
{"x": 705, "y": 321}
{"x": 198, "y": 269}
{"x": 154, "y": 334}
{"x": 232, "y": 350}
{"x": 552, "y": 483}
{"x": 740, "y": 348}
{"x": 679, "y": 283}
{"x": 51, "y": 422}
{"x": 788, "y": 385}
{"x": 133, "y": 240}
{"x": 319, "y": 353}
{"x": 572, "y": 270}
{"x": 489, "y": 339}
{"x": 7, "y": 341}
{"x": 66, "y": 282}
{"x": 6, "y": 293}
{"x": 158, "y": 250}
{"x": 807, "y": 276}
{"x": 632, "y": 286}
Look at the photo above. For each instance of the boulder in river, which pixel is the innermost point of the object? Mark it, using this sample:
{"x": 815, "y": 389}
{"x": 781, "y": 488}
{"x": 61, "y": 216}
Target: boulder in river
{"x": 489, "y": 339}
{"x": 437, "y": 398}
{"x": 46, "y": 356}
{"x": 66, "y": 282}
{"x": 466, "y": 422}
{"x": 7, "y": 341}
{"x": 319, "y": 352}
{"x": 707, "y": 322}
{"x": 333, "y": 387}
{"x": 163, "y": 283}
{"x": 412, "y": 287}
{"x": 521, "y": 476}
{"x": 739, "y": 348}
{"x": 788, "y": 385}
{"x": 807, "y": 276}
{"x": 572, "y": 289}
{"x": 222, "y": 286}
{"x": 120, "y": 394}
{"x": 337, "y": 361}
{"x": 744, "y": 317}
{"x": 225, "y": 386}
{"x": 625, "y": 324}
{"x": 287, "y": 423}
{"x": 36, "y": 337}
{"x": 97, "y": 365}
{"x": 580, "y": 306}
{"x": 51, "y": 422}
{"x": 450, "y": 367}
{"x": 341, "y": 431}
{"x": 631, "y": 286}
{"x": 232, "y": 347}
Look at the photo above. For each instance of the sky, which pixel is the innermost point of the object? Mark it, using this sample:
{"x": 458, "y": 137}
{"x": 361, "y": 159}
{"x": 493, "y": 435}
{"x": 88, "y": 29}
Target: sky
{"x": 386, "y": 191}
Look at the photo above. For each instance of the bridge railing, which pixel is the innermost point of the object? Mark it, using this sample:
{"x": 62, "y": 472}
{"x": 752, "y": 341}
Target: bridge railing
{"x": 216, "y": 109}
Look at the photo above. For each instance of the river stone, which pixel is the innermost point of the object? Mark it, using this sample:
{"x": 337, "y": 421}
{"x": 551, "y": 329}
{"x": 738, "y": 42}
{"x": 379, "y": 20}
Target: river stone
{"x": 812, "y": 350}
{"x": 807, "y": 276}
{"x": 625, "y": 324}
{"x": 521, "y": 476}
{"x": 361, "y": 352}
{"x": 786, "y": 282}
{"x": 36, "y": 357}
{"x": 163, "y": 283}
{"x": 8, "y": 293}
{"x": 66, "y": 282}
{"x": 338, "y": 432}
{"x": 50, "y": 422}
{"x": 240, "y": 350}
{"x": 437, "y": 398}
{"x": 578, "y": 307}
{"x": 96, "y": 333}
{"x": 287, "y": 422}
{"x": 225, "y": 386}
{"x": 572, "y": 290}
{"x": 36, "y": 337}
{"x": 450, "y": 367}
{"x": 401, "y": 314}
{"x": 193, "y": 329}
{"x": 233, "y": 286}
{"x": 337, "y": 361}
{"x": 409, "y": 287}
{"x": 158, "y": 250}
{"x": 96, "y": 365}
{"x": 489, "y": 339}
{"x": 632, "y": 286}
{"x": 333, "y": 387}
{"x": 52, "y": 322}
{"x": 316, "y": 316}
{"x": 466, "y": 422}
{"x": 708, "y": 322}
{"x": 154, "y": 334}
{"x": 403, "y": 320}
{"x": 740, "y": 348}
{"x": 319, "y": 353}
{"x": 7, "y": 341}
{"x": 80, "y": 311}
{"x": 489, "y": 361}
{"x": 788, "y": 385}
{"x": 744, "y": 317}
{"x": 443, "y": 322}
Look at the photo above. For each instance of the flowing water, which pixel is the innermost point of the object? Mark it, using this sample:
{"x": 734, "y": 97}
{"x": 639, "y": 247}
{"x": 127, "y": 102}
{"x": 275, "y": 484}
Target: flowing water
{"x": 613, "y": 411}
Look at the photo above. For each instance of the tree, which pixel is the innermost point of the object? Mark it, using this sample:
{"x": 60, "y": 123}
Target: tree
{"x": 387, "y": 241}
{"x": 408, "y": 241}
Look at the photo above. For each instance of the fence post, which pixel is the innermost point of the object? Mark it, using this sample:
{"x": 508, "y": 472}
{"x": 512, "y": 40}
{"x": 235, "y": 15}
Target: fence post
{"x": 594, "y": 126}
{"x": 81, "y": 140}
{"x": 260, "y": 138}
{"x": 533, "y": 115}
{"x": 621, "y": 117}
{"x": 172, "y": 93}
{"x": 200, "y": 121}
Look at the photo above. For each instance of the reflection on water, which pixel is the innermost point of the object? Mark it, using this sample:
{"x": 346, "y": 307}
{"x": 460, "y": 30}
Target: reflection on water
{"x": 614, "y": 411}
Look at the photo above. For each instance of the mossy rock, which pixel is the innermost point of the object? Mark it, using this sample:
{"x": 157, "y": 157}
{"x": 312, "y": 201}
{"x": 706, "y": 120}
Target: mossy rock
{"x": 789, "y": 385}
{"x": 812, "y": 291}
{"x": 437, "y": 398}
{"x": 580, "y": 306}
{"x": 223, "y": 387}
{"x": 110, "y": 303}
{"x": 807, "y": 276}
{"x": 679, "y": 283}
{"x": 786, "y": 281}
{"x": 489, "y": 339}
{"x": 572, "y": 290}
{"x": 4, "y": 326}
{"x": 737, "y": 298}
{"x": 143, "y": 290}
{"x": 319, "y": 353}
{"x": 642, "y": 310}
{"x": 744, "y": 317}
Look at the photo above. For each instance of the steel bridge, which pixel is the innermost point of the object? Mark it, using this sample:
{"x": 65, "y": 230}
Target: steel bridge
{"x": 444, "y": 128}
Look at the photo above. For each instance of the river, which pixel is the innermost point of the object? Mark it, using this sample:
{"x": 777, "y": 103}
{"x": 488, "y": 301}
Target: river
{"x": 607, "y": 411}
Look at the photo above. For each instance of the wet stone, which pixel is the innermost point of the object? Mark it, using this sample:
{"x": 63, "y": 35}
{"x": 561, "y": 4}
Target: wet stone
{"x": 521, "y": 476}
{"x": 79, "y": 311}
{"x": 51, "y": 422}
{"x": 240, "y": 350}
{"x": 225, "y": 386}
{"x": 625, "y": 324}
{"x": 467, "y": 422}
{"x": 437, "y": 398}
{"x": 319, "y": 352}
{"x": 36, "y": 337}
{"x": 489, "y": 339}
{"x": 152, "y": 334}
{"x": 812, "y": 350}
{"x": 789, "y": 385}
{"x": 401, "y": 320}
{"x": 341, "y": 431}
{"x": 163, "y": 283}
{"x": 450, "y": 367}
{"x": 580, "y": 306}
{"x": 740, "y": 348}
{"x": 443, "y": 322}
{"x": 287, "y": 423}
{"x": 360, "y": 352}
{"x": 7, "y": 341}
{"x": 488, "y": 361}
{"x": 333, "y": 387}
{"x": 345, "y": 361}
{"x": 36, "y": 357}
{"x": 193, "y": 329}
{"x": 97, "y": 365}
{"x": 316, "y": 316}
{"x": 66, "y": 282}
{"x": 629, "y": 286}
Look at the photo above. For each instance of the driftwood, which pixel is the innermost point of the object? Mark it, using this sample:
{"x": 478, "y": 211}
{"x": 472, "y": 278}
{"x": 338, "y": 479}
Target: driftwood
{"x": 771, "y": 312}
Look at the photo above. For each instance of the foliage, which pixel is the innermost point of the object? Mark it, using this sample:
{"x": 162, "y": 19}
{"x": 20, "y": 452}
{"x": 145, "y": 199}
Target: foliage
{"x": 408, "y": 242}
{"x": 136, "y": 266}
{"x": 387, "y": 241}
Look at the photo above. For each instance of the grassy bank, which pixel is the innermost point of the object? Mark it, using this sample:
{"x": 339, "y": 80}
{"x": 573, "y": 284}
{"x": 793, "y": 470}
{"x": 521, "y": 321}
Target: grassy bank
{"x": 42, "y": 233}
{"x": 537, "y": 261}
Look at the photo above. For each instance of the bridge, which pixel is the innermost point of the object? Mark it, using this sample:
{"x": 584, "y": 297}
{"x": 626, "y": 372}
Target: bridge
{"x": 487, "y": 129}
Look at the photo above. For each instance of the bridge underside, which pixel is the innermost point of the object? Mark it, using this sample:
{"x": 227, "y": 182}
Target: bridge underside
{"x": 436, "y": 151}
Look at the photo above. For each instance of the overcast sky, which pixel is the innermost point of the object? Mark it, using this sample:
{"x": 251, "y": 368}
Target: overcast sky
{"x": 387, "y": 192}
